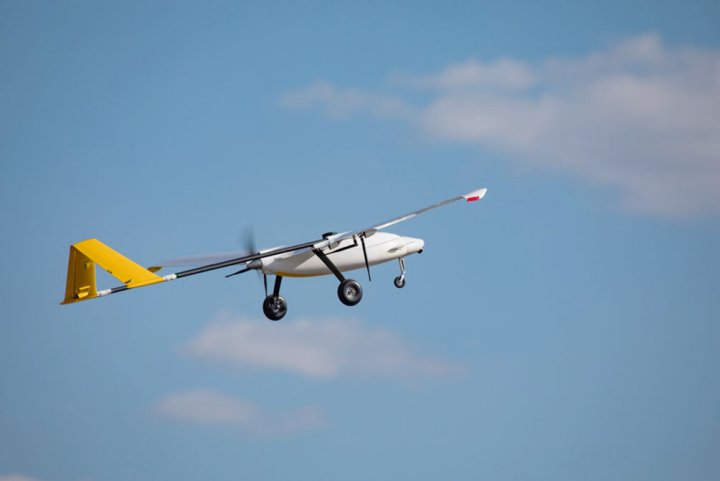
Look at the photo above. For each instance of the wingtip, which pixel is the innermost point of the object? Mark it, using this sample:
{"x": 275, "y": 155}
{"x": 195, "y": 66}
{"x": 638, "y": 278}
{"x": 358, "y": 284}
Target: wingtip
{"x": 475, "y": 195}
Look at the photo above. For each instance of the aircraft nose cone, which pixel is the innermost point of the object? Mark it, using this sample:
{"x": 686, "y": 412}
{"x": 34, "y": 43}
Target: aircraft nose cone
{"x": 414, "y": 246}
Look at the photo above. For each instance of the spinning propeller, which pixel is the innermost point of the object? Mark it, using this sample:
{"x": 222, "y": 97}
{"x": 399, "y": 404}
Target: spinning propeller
{"x": 247, "y": 239}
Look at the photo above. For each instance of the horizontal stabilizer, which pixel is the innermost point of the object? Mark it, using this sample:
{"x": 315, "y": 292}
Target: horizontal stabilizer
{"x": 81, "y": 283}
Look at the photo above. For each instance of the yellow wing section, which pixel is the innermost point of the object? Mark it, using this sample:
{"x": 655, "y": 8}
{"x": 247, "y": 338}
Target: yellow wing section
{"x": 85, "y": 255}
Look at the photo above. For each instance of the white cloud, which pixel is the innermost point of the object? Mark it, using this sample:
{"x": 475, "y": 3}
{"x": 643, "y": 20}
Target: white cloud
{"x": 505, "y": 74}
{"x": 343, "y": 103}
{"x": 637, "y": 116}
{"x": 318, "y": 349}
{"x": 210, "y": 407}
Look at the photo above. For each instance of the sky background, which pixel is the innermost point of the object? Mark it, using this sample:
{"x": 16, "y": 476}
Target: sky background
{"x": 565, "y": 327}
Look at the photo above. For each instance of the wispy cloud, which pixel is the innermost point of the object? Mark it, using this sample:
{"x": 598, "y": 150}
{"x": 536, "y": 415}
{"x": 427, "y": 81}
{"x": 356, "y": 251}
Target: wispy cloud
{"x": 317, "y": 349}
{"x": 638, "y": 116}
{"x": 342, "y": 103}
{"x": 503, "y": 74}
{"x": 211, "y": 407}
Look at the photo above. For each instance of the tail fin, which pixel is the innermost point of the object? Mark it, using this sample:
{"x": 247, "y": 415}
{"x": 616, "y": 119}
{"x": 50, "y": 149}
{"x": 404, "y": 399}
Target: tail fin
{"x": 81, "y": 270}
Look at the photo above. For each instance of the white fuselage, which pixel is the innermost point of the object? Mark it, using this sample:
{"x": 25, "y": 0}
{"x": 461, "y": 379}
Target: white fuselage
{"x": 381, "y": 247}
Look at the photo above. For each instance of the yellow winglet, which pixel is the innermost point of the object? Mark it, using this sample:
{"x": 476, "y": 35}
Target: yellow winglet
{"x": 81, "y": 270}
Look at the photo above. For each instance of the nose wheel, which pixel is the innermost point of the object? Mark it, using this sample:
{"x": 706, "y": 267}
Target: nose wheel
{"x": 399, "y": 281}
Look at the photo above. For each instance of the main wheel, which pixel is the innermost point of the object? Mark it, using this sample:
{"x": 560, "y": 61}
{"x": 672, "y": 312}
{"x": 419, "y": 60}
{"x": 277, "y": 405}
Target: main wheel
{"x": 399, "y": 282}
{"x": 274, "y": 308}
{"x": 350, "y": 292}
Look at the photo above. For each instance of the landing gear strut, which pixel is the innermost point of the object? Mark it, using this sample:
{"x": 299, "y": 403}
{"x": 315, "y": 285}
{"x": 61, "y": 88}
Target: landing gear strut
{"x": 400, "y": 280}
{"x": 274, "y": 305}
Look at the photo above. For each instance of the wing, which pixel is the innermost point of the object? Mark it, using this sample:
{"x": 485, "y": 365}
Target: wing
{"x": 246, "y": 259}
{"x": 367, "y": 232}
{"x": 200, "y": 260}
{"x": 219, "y": 261}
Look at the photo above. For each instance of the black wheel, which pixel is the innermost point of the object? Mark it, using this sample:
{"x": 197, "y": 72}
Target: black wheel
{"x": 399, "y": 282}
{"x": 350, "y": 292}
{"x": 274, "y": 308}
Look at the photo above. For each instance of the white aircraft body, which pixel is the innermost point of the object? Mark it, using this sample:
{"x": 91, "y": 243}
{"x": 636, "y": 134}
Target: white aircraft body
{"x": 332, "y": 254}
{"x": 347, "y": 256}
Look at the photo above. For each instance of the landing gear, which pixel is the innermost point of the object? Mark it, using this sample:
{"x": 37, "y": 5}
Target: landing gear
{"x": 274, "y": 305}
{"x": 350, "y": 292}
{"x": 400, "y": 280}
{"x": 274, "y": 308}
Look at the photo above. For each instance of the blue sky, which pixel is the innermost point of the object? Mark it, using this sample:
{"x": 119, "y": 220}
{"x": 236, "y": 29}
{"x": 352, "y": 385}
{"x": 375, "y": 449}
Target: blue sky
{"x": 566, "y": 327}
